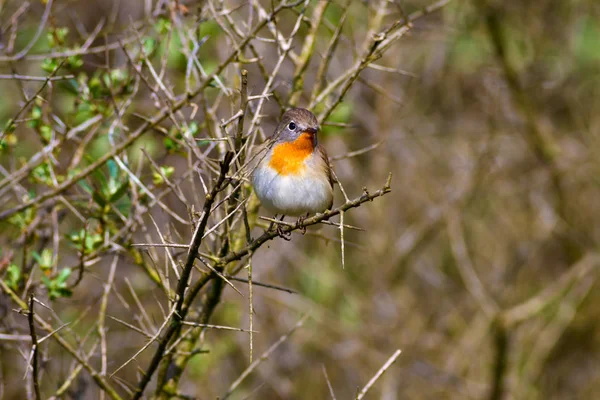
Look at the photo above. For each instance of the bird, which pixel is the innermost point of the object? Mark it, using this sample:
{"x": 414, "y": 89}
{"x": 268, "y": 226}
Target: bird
{"x": 293, "y": 177}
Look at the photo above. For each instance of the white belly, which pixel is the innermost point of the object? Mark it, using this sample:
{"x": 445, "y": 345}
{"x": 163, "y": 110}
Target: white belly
{"x": 292, "y": 195}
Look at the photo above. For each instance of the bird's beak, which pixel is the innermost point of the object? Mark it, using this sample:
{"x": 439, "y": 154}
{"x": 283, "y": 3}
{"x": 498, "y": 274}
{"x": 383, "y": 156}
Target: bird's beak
{"x": 313, "y": 134}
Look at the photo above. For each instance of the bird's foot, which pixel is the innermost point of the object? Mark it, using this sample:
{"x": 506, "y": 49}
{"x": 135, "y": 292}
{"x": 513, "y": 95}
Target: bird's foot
{"x": 279, "y": 228}
{"x": 300, "y": 221}
{"x": 283, "y": 234}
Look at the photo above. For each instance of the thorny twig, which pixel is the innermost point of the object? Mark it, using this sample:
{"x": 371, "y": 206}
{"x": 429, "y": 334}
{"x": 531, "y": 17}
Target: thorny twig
{"x": 227, "y": 201}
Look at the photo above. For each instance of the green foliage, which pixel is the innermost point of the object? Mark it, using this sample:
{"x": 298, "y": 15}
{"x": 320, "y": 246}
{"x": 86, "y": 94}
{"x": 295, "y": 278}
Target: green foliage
{"x": 42, "y": 174}
{"x": 57, "y": 37}
{"x": 471, "y": 50}
{"x": 149, "y": 46}
{"x": 9, "y": 139}
{"x": 341, "y": 114}
{"x": 57, "y": 286}
{"x": 166, "y": 171}
{"x": 23, "y": 219}
{"x": 173, "y": 142}
{"x": 13, "y": 277}
{"x": 587, "y": 40}
{"x": 108, "y": 190}
{"x": 460, "y": 143}
{"x": 45, "y": 260}
{"x": 50, "y": 65}
{"x": 85, "y": 241}
{"x": 320, "y": 288}
{"x": 162, "y": 26}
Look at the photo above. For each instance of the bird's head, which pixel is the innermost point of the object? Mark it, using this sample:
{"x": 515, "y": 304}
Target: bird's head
{"x": 298, "y": 126}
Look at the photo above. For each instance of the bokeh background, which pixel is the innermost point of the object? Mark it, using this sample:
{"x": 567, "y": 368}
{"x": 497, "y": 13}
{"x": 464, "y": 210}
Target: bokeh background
{"x": 487, "y": 115}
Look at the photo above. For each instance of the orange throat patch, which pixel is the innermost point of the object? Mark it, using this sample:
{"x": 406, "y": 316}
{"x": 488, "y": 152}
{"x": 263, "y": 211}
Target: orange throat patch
{"x": 288, "y": 158}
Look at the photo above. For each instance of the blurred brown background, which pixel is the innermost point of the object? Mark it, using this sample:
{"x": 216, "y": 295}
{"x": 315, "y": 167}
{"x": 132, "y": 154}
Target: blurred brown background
{"x": 491, "y": 131}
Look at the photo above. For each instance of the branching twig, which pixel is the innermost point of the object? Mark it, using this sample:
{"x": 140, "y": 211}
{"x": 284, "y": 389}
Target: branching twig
{"x": 270, "y": 235}
{"x": 179, "y": 313}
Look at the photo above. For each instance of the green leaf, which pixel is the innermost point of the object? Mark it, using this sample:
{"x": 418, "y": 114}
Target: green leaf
{"x": 85, "y": 186}
{"x": 61, "y": 292}
{"x": 57, "y": 287}
{"x": 106, "y": 80}
{"x": 13, "y": 276}
{"x": 36, "y": 256}
{"x": 342, "y": 113}
{"x": 51, "y": 40}
{"x": 170, "y": 144}
{"x": 76, "y": 237}
{"x": 45, "y": 260}
{"x": 36, "y": 112}
{"x": 61, "y": 34}
{"x": 9, "y": 126}
{"x": 99, "y": 199}
{"x": 193, "y": 128}
{"x": 46, "y": 132}
{"x": 120, "y": 191}
{"x": 163, "y": 25}
{"x": 72, "y": 85}
{"x": 149, "y": 46}
{"x": 22, "y": 219}
{"x": 92, "y": 242}
{"x": 63, "y": 275}
{"x": 49, "y": 65}
{"x": 41, "y": 173}
{"x": 98, "y": 176}
{"x": 118, "y": 76}
{"x": 113, "y": 169}
{"x": 75, "y": 62}
{"x": 165, "y": 171}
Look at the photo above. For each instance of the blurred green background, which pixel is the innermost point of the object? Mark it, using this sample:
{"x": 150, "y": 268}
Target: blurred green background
{"x": 486, "y": 113}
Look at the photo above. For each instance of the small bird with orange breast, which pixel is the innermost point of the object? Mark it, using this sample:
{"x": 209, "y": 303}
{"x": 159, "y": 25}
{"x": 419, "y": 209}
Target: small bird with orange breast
{"x": 294, "y": 177}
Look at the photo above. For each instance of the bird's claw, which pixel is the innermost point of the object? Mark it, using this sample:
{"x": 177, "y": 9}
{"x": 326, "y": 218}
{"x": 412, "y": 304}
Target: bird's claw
{"x": 283, "y": 234}
{"x": 300, "y": 221}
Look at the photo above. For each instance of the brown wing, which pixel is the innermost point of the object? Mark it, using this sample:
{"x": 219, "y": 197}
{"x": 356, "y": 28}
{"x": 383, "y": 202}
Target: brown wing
{"x": 326, "y": 164}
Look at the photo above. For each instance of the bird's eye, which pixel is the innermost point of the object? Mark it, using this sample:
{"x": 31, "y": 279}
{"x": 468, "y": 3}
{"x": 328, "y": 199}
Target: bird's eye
{"x": 292, "y": 126}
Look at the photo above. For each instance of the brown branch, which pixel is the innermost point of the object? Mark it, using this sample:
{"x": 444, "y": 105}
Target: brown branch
{"x": 243, "y": 107}
{"x": 500, "y": 336}
{"x": 34, "y": 349}
{"x": 100, "y": 381}
{"x": 270, "y": 235}
{"x": 261, "y": 284}
{"x": 148, "y": 124}
{"x": 307, "y": 52}
{"x": 182, "y": 285}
